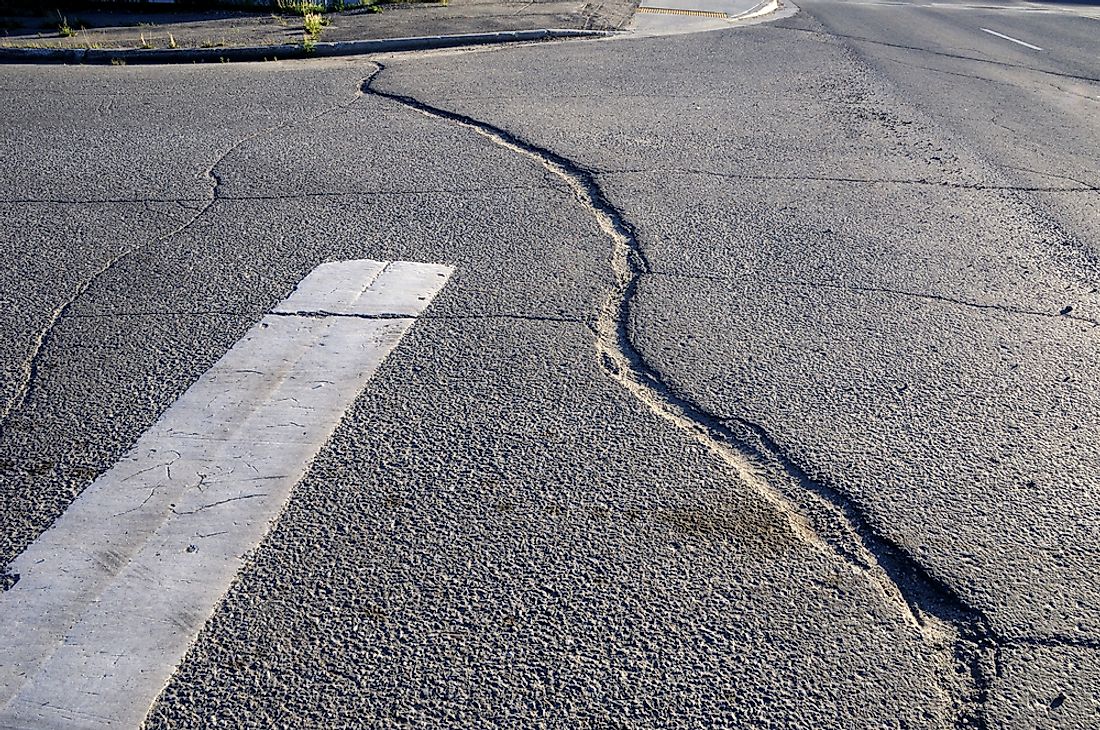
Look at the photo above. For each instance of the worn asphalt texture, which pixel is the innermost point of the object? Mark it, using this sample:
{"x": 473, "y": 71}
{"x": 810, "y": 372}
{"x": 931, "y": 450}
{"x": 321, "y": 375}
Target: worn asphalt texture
{"x": 863, "y": 257}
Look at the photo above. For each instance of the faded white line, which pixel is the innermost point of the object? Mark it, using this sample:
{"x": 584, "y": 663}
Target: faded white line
{"x": 1010, "y": 38}
{"x": 110, "y": 597}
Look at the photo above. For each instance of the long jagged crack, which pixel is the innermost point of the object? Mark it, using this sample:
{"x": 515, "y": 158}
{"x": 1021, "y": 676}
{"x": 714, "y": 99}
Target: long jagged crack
{"x": 297, "y": 195}
{"x": 819, "y": 513}
{"x": 219, "y": 503}
{"x": 30, "y": 366}
{"x": 1066, "y": 313}
{"x": 1081, "y": 187}
{"x": 984, "y": 79}
{"x": 945, "y": 54}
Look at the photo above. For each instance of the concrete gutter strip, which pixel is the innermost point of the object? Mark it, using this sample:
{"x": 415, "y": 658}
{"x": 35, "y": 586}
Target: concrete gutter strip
{"x": 270, "y": 53}
{"x": 764, "y": 8}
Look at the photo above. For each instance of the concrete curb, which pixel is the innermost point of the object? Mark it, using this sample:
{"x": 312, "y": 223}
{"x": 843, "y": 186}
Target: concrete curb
{"x": 271, "y": 53}
{"x": 766, "y": 7}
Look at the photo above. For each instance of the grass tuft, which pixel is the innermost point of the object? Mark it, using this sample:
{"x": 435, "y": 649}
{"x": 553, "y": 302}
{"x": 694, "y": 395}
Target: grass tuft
{"x": 299, "y": 7}
{"x": 63, "y": 28}
{"x": 314, "y": 23}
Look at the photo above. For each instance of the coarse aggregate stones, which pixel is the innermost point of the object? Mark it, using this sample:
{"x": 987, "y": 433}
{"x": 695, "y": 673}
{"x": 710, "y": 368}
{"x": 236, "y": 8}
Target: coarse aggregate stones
{"x": 163, "y": 314}
{"x": 90, "y": 133}
{"x": 643, "y": 583}
{"x": 468, "y": 561}
{"x": 57, "y": 247}
{"x": 499, "y": 535}
{"x": 898, "y": 410}
{"x": 1047, "y": 687}
{"x": 895, "y": 255}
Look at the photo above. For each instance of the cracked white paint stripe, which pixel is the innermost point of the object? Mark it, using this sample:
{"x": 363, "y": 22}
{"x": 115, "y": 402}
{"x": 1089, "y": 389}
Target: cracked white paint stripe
{"x": 112, "y": 594}
{"x": 398, "y": 290}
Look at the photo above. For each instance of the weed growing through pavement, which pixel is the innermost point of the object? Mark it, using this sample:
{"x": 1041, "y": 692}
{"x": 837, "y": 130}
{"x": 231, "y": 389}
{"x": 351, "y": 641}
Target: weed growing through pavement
{"x": 63, "y": 28}
{"x": 172, "y": 41}
{"x": 118, "y": 61}
{"x": 144, "y": 43}
{"x": 314, "y": 23}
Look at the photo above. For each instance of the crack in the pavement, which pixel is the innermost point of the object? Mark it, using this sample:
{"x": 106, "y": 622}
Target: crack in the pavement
{"x": 1011, "y": 130}
{"x": 1054, "y": 641}
{"x": 1065, "y": 314}
{"x": 956, "y": 56}
{"x": 218, "y": 503}
{"x": 148, "y": 207}
{"x": 1064, "y": 243}
{"x": 111, "y": 99}
{"x": 306, "y": 195}
{"x": 396, "y": 192}
{"x": 935, "y": 606}
{"x": 818, "y": 512}
{"x": 860, "y": 288}
{"x": 1087, "y": 186}
{"x": 974, "y": 77}
{"x": 29, "y": 367}
{"x": 987, "y": 79}
{"x": 1082, "y": 188}
{"x": 104, "y": 201}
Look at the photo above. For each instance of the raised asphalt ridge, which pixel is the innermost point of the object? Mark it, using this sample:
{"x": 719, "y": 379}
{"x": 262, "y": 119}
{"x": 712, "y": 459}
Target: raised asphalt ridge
{"x": 810, "y": 507}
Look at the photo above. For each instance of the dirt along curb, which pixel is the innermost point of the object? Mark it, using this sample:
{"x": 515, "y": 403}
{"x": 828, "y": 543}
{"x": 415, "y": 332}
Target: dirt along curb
{"x": 124, "y": 56}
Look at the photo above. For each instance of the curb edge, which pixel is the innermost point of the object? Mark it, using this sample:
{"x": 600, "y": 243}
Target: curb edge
{"x": 285, "y": 52}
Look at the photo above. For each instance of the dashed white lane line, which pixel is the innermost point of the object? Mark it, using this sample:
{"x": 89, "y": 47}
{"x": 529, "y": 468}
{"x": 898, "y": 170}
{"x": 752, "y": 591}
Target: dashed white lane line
{"x": 1010, "y": 38}
{"x": 110, "y": 597}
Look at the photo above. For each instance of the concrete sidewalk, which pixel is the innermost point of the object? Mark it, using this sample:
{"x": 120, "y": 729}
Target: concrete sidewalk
{"x": 671, "y": 17}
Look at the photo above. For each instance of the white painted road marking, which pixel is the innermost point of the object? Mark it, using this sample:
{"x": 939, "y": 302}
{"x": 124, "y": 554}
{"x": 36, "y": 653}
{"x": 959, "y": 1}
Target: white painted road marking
{"x": 110, "y": 597}
{"x": 400, "y": 292}
{"x": 1010, "y": 38}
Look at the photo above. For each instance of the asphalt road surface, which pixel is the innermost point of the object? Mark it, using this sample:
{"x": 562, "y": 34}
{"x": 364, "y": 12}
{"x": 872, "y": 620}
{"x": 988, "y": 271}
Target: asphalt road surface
{"x": 763, "y": 392}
